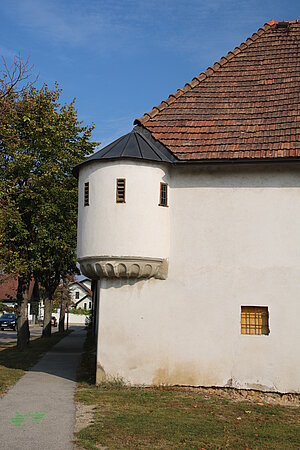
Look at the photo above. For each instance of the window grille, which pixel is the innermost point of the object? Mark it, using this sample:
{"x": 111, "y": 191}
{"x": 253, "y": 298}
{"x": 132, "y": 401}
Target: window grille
{"x": 77, "y": 295}
{"x": 254, "y": 320}
{"x": 120, "y": 191}
{"x": 86, "y": 194}
{"x": 163, "y": 201}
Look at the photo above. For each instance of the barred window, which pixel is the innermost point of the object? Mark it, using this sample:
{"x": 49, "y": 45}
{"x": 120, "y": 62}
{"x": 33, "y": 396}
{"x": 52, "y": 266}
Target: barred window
{"x": 86, "y": 194}
{"x": 163, "y": 197}
{"x": 254, "y": 320}
{"x": 120, "y": 191}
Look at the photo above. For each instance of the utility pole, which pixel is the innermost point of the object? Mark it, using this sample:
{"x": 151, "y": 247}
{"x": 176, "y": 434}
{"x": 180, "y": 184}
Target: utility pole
{"x": 68, "y": 315}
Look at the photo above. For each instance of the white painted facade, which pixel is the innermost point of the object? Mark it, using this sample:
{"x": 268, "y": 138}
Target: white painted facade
{"x": 229, "y": 237}
{"x": 127, "y": 229}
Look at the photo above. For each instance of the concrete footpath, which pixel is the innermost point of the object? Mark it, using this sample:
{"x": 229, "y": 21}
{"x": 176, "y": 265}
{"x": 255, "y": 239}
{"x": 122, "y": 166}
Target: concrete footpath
{"x": 39, "y": 412}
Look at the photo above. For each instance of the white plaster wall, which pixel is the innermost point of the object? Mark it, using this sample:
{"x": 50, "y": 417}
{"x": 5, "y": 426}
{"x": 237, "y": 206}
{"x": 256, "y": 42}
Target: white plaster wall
{"x": 77, "y": 288}
{"x": 106, "y": 228}
{"x": 235, "y": 240}
{"x": 74, "y": 319}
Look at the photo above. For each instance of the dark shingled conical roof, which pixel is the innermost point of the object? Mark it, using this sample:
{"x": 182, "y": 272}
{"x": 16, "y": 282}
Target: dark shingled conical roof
{"x": 138, "y": 144}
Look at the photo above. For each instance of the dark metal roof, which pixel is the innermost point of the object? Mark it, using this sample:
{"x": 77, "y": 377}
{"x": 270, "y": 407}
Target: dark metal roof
{"x": 138, "y": 144}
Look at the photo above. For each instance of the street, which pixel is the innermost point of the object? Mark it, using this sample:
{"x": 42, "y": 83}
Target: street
{"x": 9, "y": 336}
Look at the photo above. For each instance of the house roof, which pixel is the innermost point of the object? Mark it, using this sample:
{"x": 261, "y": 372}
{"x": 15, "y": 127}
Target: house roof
{"x": 244, "y": 107}
{"x": 138, "y": 144}
{"x": 9, "y": 287}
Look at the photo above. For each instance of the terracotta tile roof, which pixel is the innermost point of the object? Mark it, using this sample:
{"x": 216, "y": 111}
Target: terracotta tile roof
{"x": 246, "y": 106}
{"x": 9, "y": 286}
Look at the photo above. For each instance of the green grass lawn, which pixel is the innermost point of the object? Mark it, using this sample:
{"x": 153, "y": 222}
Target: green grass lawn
{"x": 14, "y": 363}
{"x": 176, "y": 418}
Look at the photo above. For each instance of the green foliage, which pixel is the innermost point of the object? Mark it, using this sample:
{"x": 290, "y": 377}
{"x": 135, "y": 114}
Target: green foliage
{"x": 35, "y": 308}
{"x": 80, "y": 311}
{"x": 40, "y": 142}
{"x": 62, "y": 292}
{"x": 8, "y": 309}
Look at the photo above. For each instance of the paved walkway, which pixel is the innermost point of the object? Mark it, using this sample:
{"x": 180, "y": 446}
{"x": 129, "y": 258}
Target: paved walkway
{"x": 42, "y": 403}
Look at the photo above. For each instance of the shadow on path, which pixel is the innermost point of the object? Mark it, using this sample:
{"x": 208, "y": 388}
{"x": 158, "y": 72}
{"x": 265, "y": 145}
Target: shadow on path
{"x": 39, "y": 411}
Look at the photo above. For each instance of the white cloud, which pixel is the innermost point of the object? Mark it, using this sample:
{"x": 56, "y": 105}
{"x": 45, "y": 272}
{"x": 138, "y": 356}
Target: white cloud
{"x": 127, "y": 25}
{"x": 52, "y": 20}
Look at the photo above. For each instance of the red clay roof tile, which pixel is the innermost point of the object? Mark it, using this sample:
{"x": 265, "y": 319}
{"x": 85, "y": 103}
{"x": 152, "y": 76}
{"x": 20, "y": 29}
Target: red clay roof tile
{"x": 9, "y": 286}
{"x": 245, "y": 106}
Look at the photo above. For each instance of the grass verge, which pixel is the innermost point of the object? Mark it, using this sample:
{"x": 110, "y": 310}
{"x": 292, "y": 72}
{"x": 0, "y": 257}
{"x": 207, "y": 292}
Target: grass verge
{"x": 175, "y": 418}
{"x": 14, "y": 363}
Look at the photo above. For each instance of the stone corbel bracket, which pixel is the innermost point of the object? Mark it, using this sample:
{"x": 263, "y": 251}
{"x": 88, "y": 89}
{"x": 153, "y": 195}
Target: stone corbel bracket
{"x": 95, "y": 267}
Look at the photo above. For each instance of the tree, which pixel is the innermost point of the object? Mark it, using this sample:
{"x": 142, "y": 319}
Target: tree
{"x": 40, "y": 142}
{"x": 63, "y": 299}
{"x": 16, "y": 77}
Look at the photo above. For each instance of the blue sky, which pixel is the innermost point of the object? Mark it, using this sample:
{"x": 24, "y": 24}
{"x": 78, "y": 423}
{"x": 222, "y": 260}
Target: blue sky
{"x": 121, "y": 57}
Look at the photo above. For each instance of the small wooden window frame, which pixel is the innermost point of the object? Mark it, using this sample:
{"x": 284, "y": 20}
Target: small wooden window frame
{"x": 86, "y": 194}
{"x": 255, "y": 320}
{"x": 163, "y": 195}
{"x": 121, "y": 190}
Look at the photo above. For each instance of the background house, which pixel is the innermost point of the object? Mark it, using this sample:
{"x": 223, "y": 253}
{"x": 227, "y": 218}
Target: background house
{"x": 8, "y": 295}
{"x": 81, "y": 294}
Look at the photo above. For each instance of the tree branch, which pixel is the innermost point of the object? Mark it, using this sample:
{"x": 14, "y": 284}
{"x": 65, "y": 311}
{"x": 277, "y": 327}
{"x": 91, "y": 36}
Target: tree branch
{"x": 16, "y": 77}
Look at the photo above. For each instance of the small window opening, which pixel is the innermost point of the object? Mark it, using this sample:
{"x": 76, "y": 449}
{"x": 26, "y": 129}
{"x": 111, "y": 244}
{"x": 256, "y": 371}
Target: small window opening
{"x": 77, "y": 295}
{"x": 90, "y": 305}
{"x": 84, "y": 306}
{"x": 86, "y": 194}
{"x": 120, "y": 192}
{"x": 163, "y": 198}
{"x": 255, "y": 320}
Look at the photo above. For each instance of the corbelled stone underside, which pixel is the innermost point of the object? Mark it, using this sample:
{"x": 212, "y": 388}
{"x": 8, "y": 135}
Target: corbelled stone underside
{"x": 96, "y": 267}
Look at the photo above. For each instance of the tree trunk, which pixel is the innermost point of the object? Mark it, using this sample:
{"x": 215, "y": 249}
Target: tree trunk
{"x": 61, "y": 325}
{"x": 47, "y": 317}
{"x": 22, "y": 312}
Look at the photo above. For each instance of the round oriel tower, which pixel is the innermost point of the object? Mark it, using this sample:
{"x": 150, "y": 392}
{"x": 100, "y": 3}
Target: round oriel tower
{"x": 123, "y": 210}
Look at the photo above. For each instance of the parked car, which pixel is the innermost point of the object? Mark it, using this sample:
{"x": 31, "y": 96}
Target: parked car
{"x": 53, "y": 321}
{"x": 8, "y": 321}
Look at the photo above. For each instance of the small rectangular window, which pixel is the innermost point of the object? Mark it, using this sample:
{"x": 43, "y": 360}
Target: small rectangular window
{"x": 84, "y": 306}
{"x": 163, "y": 197}
{"x": 77, "y": 295}
{"x": 86, "y": 194}
{"x": 120, "y": 192}
{"x": 254, "y": 320}
{"x": 90, "y": 305}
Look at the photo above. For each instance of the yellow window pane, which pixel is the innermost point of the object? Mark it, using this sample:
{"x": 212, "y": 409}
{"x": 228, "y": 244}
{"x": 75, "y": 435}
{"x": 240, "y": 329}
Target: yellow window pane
{"x": 254, "y": 320}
